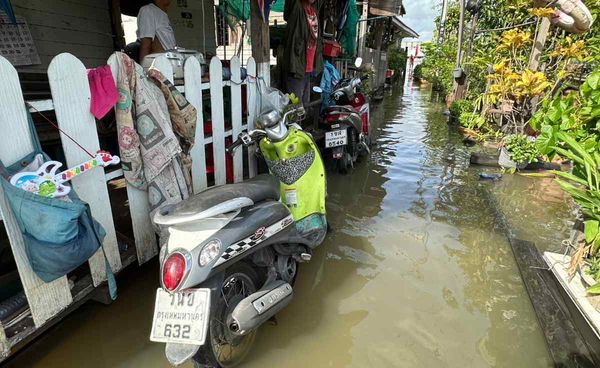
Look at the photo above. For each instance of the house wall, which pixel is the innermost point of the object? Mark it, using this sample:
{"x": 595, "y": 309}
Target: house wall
{"x": 194, "y": 24}
{"x": 80, "y": 27}
{"x": 83, "y": 28}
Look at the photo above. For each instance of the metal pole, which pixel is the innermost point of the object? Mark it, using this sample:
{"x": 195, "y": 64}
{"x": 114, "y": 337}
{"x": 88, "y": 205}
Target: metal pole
{"x": 443, "y": 22}
{"x": 461, "y": 23}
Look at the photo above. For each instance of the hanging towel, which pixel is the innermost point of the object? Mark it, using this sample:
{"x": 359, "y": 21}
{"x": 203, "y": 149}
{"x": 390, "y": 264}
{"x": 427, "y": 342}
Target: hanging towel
{"x": 103, "y": 89}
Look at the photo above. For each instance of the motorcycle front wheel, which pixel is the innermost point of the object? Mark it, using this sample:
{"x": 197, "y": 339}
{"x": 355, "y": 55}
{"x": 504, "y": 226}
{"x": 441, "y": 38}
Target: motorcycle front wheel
{"x": 222, "y": 349}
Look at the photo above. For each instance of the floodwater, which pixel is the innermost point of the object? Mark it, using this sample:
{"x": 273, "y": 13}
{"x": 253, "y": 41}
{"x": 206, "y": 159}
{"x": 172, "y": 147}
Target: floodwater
{"x": 415, "y": 272}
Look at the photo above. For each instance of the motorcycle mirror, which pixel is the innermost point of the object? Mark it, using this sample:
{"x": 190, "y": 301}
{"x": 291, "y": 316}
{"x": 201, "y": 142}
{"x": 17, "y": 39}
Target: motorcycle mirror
{"x": 317, "y": 89}
{"x": 358, "y": 62}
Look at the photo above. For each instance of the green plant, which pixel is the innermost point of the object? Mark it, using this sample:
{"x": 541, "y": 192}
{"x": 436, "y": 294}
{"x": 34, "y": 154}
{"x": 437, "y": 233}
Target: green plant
{"x": 471, "y": 121}
{"x": 418, "y": 72}
{"x": 438, "y": 64}
{"x": 576, "y": 114}
{"x": 521, "y": 149}
{"x": 396, "y": 59}
{"x": 459, "y": 107}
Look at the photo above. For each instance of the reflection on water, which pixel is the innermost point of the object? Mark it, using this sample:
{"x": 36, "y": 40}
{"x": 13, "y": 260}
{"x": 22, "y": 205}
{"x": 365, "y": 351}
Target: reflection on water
{"x": 413, "y": 274}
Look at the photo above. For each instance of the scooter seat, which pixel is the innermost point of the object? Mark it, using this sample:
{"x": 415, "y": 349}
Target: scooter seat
{"x": 219, "y": 200}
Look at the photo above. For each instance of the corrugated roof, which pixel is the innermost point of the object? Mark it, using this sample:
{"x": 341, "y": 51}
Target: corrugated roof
{"x": 406, "y": 30}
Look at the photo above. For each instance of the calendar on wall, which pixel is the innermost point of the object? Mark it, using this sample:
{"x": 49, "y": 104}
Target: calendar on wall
{"x": 16, "y": 43}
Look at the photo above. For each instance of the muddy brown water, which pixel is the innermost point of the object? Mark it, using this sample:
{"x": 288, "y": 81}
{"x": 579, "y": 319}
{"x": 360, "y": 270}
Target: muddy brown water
{"x": 415, "y": 272}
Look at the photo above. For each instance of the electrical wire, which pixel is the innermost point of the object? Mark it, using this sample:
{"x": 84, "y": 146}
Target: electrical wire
{"x": 528, "y": 23}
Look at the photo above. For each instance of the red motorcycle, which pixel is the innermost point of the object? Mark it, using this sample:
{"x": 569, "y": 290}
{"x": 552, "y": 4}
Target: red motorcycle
{"x": 347, "y": 135}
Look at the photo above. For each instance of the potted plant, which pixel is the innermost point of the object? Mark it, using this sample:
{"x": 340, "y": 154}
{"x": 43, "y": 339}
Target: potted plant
{"x": 517, "y": 152}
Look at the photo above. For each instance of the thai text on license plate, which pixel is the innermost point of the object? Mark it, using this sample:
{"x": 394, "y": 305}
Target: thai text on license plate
{"x": 181, "y": 317}
{"x": 336, "y": 138}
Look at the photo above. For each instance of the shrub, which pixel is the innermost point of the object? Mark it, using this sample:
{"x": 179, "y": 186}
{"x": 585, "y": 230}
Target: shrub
{"x": 471, "y": 121}
{"x": 521, "y": 149}
{"x": 459, "y": 107}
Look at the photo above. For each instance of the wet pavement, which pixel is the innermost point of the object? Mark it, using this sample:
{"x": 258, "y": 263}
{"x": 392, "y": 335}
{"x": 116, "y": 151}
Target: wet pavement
{"x": 415, "y": 272}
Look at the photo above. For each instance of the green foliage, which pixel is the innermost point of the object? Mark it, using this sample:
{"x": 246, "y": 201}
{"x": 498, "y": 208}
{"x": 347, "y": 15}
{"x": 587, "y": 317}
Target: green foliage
{"x": 438, "y": 64}
{"x": 418, "y": 72}
{"x": 594, "y": 270}
{"x": 459, "y": 107}
{"x": 584, "y": 183}
{"x": 521, "y": 149}
{"x": 575, "y": 114}
{"x": 396, "y": 57}
{"x": 471, "y": 121}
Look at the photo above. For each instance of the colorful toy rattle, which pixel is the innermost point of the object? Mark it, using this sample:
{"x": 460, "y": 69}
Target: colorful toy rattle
{"x": 47, "y": 183}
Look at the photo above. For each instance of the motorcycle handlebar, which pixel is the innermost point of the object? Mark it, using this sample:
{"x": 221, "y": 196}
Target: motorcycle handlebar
{"x": 230, "y": 150}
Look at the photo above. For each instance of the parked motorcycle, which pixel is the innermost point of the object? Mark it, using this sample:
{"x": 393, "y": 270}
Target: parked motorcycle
{"x": 347, "y": 133}
{"x": 231, "y": 257}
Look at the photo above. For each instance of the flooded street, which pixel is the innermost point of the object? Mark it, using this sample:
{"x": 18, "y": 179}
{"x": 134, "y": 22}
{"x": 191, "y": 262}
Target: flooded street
{"x": 415, "y": 272}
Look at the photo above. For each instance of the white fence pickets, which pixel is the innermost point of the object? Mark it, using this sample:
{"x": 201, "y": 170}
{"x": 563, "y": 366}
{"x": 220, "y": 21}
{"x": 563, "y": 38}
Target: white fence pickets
{"x": 139, "y": 209}
{"x": 236, "y": 117}
{"x": 192, "y": 78}
{"x": 252, "y": 95}
{"x": 218, "y": 119}
{"x": 71, "y": 95}
{"x": 71, "y": 103}
{"x": 45, "y": 299}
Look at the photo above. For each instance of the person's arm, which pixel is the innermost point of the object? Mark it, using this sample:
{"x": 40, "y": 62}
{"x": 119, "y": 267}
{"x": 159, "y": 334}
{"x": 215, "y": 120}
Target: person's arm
{"x": 145, "y": 48}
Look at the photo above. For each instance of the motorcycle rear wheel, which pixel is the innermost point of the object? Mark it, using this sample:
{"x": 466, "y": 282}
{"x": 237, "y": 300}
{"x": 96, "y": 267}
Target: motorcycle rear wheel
{"x": 222, "y": 349}
{"x": 345, "y": 162}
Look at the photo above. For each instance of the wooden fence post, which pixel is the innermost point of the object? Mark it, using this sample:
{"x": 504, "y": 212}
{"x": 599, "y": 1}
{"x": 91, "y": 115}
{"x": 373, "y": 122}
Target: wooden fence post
{"x": 192, "y": 76}
{"x": 251, "y": 96}
{"x": 139, "y": 208}
{"x": 45, "y": 299}
{"x": 71, "y": 95}
{"x": 236, "y": 116}
{"x": 538, "y": 45}
{"x": 218, "y": 123}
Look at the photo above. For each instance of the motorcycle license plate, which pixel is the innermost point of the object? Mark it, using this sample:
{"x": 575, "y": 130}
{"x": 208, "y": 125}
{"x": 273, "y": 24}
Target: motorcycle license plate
{"x": 336, "y": 138}
{"x": 181, "y": 317}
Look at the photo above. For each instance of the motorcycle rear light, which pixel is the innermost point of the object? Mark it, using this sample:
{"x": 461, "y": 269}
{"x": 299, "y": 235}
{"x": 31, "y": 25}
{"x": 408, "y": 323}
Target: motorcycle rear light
{"x": 173, "y": 271}
{"x": 334, "y": 118}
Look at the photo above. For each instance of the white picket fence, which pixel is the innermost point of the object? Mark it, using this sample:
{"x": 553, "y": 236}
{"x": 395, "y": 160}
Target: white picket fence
{"x": 71, "y": 103}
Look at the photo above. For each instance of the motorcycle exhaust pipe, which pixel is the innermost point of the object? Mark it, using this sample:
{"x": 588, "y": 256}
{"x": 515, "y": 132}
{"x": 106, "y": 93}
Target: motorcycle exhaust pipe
{"x": 259, "y": 307}
{"x": 362, "y": 146}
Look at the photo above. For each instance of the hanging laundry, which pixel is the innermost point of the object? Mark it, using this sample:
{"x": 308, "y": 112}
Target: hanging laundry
{"x": 329, "y": 79}
{"x": 151, "y": 154}
{"x": 103, "y": 90}
{"x": 183, "y": 119}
